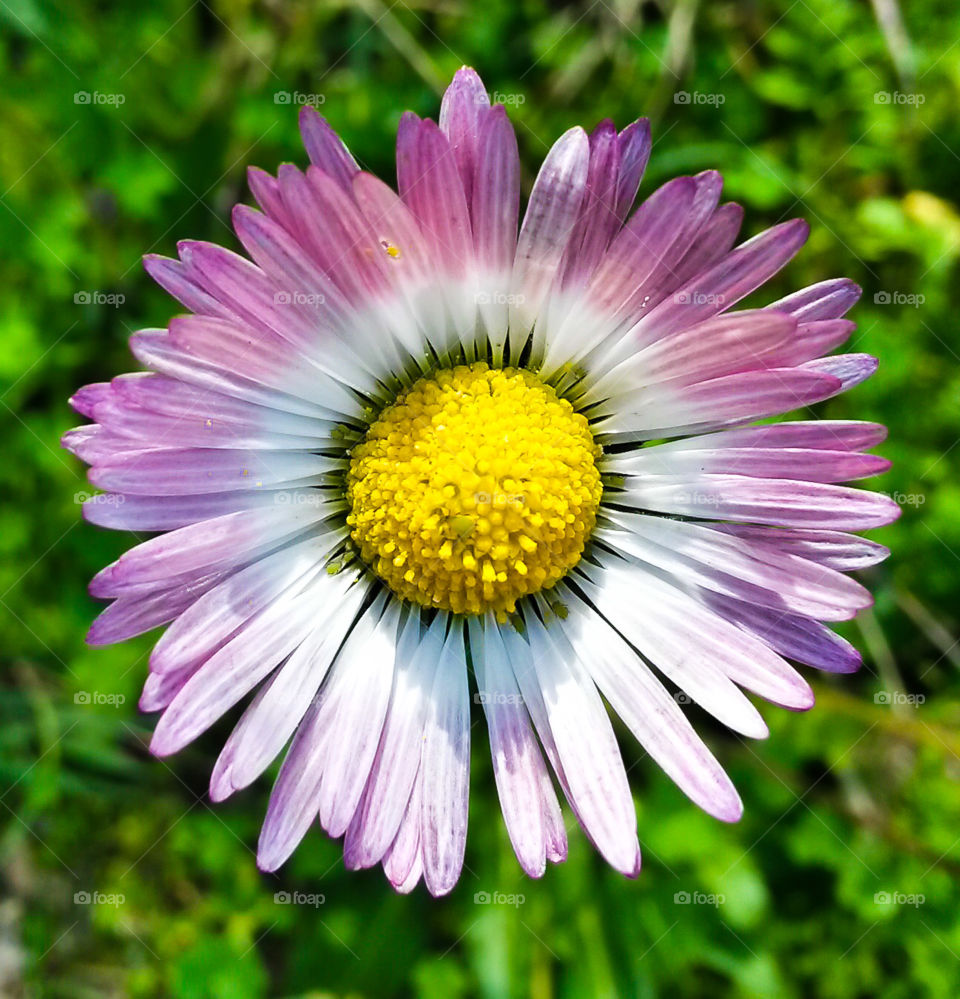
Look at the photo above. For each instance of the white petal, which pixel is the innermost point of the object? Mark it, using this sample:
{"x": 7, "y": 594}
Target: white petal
{"x": 653, "y": 716}
{"x": 665, "y": 626}
{"x": 394, "y": 770}
{"x": 364, "y": 673}
{"x": 446, "y": 768}
{"x": 518, "y": 765}
{"x": 586, "y": 745}
{"x": 274, "y": 717}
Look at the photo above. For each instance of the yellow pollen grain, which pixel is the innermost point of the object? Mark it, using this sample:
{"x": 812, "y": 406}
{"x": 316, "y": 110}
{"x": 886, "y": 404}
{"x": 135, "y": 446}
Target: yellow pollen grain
{"x": 391, "y": 250}
{"x": 476, "y": 487}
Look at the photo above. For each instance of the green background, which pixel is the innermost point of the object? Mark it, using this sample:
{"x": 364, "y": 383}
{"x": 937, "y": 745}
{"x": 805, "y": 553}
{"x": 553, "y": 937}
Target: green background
{"x": 858, "y": 797}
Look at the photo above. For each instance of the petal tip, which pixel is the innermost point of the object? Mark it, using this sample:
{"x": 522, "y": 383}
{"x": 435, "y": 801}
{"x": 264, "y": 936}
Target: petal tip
{"x": 220, "y": 787}
{"x": 729, "y": 809}
{"x": 265, "y": 862}
{"x": 161, "y": 745}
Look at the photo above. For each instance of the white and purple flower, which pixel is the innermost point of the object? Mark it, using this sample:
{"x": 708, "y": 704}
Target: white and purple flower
{"x": 405, "y": 443}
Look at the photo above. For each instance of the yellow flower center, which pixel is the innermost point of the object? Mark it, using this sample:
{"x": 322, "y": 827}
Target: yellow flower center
{"x": 475, "y": 487}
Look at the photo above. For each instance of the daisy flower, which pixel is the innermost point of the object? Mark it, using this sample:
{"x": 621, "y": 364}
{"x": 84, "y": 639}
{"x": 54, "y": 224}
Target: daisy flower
{"x": 412, "y": 440}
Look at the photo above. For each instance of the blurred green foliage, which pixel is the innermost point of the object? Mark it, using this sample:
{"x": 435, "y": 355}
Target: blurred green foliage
{"x": 837, "y": 111}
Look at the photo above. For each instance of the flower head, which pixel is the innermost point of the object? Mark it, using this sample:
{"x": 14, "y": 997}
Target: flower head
{"x": 406, "y": 443}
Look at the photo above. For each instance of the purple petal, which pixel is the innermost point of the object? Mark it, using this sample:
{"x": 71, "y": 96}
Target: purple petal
{"x": 293, "y": 800}
{"x": 238, "y": 667}
{"x": 131, "y": 616}
{"x": 784, "y": 502}
{"x": 430, "y": 186}
{"x": 826, "y": 300}
{"x": 713, "y": 560}
{"x": 159, "y": 690}
{"x": 726, "y": 282}
{"x": 280, "y": 710}
{"x": 812, "y": 340}
{"x": 811, "y": 464}
{"x": 597, "y": 221}
{"x": 496, "y": 192}
{"x": 177, "y": 281}
{"x": 798, "y": 638}
{"x": 829, "y": 435}
{"x": 639, "y": 249}
{"x": 178, "y": 472}
{"x": 833, "y": 549}
{"x": 266, "y": 190}
{"x": 216, "y": 616}
{"x": 463, "y": 110}
{"x": 548, "y": 225}
{"x": 714, "y": 241}
{"x": 403, "y": 861}
{"x": 634, "y": 143}
{"x": 397, "y": 228}
{"x": 326, "y": 149}
{"x": 737, "y": 398}
{"x": 850, "y": 369}
{"x": 167, "y": 513}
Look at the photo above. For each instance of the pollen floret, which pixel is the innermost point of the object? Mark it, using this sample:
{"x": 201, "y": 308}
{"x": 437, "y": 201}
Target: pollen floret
{"x": 475, "y": 487}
